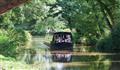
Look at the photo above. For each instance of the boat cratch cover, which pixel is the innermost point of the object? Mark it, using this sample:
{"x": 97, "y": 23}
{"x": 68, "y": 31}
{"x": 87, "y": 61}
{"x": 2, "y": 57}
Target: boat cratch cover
{"x": 6, "y": 5}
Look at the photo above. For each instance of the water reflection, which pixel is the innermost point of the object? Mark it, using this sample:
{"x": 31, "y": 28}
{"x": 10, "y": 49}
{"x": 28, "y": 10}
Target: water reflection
{"x": 59, "y": 66}
{"x": 41, "y": 59}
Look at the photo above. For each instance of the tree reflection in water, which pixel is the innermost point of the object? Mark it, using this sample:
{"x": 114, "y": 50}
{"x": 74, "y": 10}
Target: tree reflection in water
{"x": 42, "y": 60}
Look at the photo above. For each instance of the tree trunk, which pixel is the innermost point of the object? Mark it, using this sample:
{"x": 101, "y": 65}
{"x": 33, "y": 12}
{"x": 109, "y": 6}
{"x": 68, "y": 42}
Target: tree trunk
{"x": 107, "y": 14}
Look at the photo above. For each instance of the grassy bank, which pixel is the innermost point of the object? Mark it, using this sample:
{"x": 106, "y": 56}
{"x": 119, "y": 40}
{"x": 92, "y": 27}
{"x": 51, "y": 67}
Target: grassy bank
{"x": 8, "y": 63}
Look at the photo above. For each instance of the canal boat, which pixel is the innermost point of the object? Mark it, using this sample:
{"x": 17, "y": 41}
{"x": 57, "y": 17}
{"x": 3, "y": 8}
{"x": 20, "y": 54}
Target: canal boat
{"x": 61, "y": 47}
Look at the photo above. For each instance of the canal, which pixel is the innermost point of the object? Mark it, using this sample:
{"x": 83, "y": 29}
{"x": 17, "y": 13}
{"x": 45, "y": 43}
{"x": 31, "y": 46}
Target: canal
{"x": 41, "y": 59}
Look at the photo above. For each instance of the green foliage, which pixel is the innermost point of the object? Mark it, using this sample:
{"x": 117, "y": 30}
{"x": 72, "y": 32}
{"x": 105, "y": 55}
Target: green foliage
{"x": 9, "y": 63}
{"x": 55, "y": 24}
{"x": 110, "y": 43}
{"x": 11, "y": 41}
{"x": 91, "y": 41}
{"x": 116, "y": 38}
{"x": 90, "y": 19}
{"x": 25, "y": 16}
{"x": 39, "y": 29}
{"x": 105, "y": 44}
{"x": 14, "y": 22}
{"x": 3, "y": 39}
{"x": 80, "y": 16}
{"x": 76, "y": 38}
{"x": 17, "y": 36}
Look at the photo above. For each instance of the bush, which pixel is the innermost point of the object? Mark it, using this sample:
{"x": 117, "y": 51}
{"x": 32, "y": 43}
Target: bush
{"x": 3, "y": 39}
{"x": 112, "y": 42}
{"x": 6, "y": 48}
{"x": 39, "y": 29}
{"x": 116, "y": 38}
{"x": 17, "y": 36}
{"x": 76, "y": 38}
{"x": 91, "y": 41}
{"x": 11, "y": 41}
{"x": 105, "y": 44}
{"x": 39, "y": 33}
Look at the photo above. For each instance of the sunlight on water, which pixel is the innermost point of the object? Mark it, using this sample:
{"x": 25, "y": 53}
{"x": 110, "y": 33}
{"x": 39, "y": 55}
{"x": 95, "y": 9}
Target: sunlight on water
{"x": 59, "y": 66}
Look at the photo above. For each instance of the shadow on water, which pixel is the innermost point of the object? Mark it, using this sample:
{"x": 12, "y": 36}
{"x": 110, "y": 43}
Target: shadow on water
{"x": 39, "y": 57}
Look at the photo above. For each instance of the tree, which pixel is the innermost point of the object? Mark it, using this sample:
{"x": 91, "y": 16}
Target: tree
{"x": 77, "y": 15}
{"x": 13, "y": 23}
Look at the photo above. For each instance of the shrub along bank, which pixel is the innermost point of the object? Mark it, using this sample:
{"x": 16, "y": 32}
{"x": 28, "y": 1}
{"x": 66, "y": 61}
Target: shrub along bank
{"x": 11, "y": 40}
{"x": 110, "y": 43}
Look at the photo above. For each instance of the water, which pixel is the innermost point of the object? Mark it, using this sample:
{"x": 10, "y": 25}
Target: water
{"x": 40, "y": 58}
